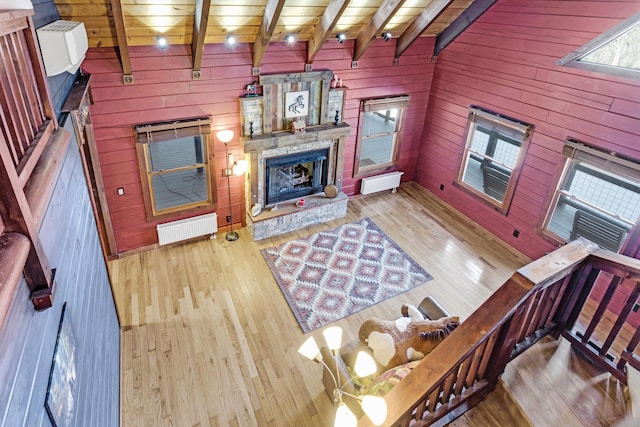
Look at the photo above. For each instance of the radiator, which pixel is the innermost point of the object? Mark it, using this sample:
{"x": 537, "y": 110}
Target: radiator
{"x": 188, "y": 228}
{"x": 386, "y": 181}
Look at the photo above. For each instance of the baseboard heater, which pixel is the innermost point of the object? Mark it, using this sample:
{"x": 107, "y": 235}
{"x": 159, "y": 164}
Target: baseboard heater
{"x": 187, "y": 228}
{"x": 386, "y": 181}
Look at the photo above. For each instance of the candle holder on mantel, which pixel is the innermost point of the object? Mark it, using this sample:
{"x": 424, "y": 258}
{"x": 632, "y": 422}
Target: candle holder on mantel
{"x": 336, "y": 119}
{"x": 251, "y": 129}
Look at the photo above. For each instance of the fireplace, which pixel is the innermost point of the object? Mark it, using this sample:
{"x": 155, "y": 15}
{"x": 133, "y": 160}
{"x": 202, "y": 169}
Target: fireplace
{"x": 284, "y": 167}
{"x": 288, "y": 163}
{"x": 295, "y": 175}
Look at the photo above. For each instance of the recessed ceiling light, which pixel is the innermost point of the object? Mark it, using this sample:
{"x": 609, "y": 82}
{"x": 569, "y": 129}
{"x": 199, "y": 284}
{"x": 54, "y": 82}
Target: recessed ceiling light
{"x": 162, "y": 42}
{"x": 231, "y": 40}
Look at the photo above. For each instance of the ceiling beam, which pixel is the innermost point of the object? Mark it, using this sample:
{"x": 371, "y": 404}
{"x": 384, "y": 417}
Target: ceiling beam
{"x": 420, "y": 24}
{"x": 383, "y": 15}
{"x": 123, "y": 46}
{"x": 200, "y": 23}
{"x": 268, "y": 26}
{"x": 461, "y": 23}
{"x": 327, "y": 22}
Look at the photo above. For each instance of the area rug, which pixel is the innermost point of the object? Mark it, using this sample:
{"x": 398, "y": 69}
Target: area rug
{"x": 333, "y": 274}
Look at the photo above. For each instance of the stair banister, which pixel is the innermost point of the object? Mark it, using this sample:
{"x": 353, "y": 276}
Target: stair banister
{"x": 483, "y": 344}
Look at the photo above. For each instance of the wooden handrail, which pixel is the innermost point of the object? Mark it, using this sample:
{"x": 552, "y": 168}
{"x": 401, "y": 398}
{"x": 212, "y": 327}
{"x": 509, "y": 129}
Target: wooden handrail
{"x": 465, "y": 367}
{"x": 14, "y": 250}
{"x": 29, "y": 160}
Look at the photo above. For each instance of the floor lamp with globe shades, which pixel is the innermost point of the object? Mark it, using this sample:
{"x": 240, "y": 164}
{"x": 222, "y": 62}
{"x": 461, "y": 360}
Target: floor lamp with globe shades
{"x": 226, "y": 136}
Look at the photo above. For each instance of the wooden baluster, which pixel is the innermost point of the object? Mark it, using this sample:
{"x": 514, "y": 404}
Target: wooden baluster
{"x": 579, "y": 288}
{"x": 597, "y": 316}
{"x": 624, "y": 313}
{"x": 556, "y": 294}
{"x": 462, "y": 376}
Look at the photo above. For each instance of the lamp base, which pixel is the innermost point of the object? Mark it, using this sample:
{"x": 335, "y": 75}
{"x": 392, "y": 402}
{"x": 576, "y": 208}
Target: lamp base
{"x": 231, "y": 236}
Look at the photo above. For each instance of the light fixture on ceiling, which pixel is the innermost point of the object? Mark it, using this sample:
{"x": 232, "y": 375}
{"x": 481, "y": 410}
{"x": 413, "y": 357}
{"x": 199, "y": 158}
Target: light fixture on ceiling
{"x": 231, "y": 40}
{"x": 375, "y": 407}
{"x": 233, "y": 168}
{"x": 290, "y": 39}
{"x": 386, "y": 36}
{"x": 341, "y": 37}
{"x": 162, "y": 42}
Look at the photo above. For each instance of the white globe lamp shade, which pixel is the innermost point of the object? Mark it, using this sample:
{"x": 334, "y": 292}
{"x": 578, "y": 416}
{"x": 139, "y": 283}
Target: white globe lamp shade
{"x": 333, "y": 337}
{"x": 365, "y": 365}
{"x": 225, "y": 135}
{"x": 344, "y": 417}
{"x": 309, "y": 349}
{"x": 376, "y": 409}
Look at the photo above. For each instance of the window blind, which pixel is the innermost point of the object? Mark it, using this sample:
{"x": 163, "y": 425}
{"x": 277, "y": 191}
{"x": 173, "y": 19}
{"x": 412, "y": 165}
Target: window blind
{"x": 167, "y": 131}
{"x": 603, "y": 160}
{"x": 390, "y": 103}
{"x": 498, "y": 123}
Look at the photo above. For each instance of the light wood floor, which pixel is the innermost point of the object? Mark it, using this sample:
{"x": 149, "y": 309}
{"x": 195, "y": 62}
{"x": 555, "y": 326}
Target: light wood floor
{"x": 208, "y": 338}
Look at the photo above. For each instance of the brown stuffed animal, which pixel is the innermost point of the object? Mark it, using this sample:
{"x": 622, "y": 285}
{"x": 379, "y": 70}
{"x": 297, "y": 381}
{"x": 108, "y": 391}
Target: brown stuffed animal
{"x": 408, "y": 338}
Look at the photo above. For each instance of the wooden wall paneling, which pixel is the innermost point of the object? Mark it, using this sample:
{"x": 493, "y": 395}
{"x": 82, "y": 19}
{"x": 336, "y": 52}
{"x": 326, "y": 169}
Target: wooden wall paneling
{"x": 28, "y": 338}
{"x": 561, "y": 102}
{"x": 218, "y": 95}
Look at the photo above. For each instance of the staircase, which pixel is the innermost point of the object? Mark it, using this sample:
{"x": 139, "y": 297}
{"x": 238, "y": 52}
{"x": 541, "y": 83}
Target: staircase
{"x": 498, "y": 409}
{"x": 541, "y": 302}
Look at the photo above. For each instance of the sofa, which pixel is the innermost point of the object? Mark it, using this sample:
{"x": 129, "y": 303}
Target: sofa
{"x": 381, "y": 380}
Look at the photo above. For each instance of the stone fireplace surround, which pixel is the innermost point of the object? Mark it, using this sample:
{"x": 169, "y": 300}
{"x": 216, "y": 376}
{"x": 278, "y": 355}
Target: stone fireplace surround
{"x": 318, "y": 208}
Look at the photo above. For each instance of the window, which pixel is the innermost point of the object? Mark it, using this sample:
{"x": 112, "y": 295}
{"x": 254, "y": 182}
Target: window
{"x": 615, "y": 52}
{"x": 174, "y": 165}
{"x": 379, "y": 134}
{"x": 598, "y": 197}
{"x": 493, "y": 154}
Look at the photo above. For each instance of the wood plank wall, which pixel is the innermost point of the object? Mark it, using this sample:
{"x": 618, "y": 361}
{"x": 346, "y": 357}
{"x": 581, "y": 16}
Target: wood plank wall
{"x": 164, "y": 90}
{"x": 506, "y": 62}
{"x": 28, "y": 337}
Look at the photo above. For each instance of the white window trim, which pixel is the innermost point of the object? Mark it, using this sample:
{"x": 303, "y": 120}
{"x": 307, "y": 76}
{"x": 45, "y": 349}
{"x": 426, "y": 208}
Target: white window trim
{"x": 573, "y": 59}
{"x": 524, "y": 128}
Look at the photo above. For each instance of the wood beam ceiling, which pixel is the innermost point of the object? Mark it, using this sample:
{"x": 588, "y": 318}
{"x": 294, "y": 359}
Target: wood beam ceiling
{"x": 200, "y": 24}
{"x": 330, "y": 17}
{"x": 269, "y": 20}
{"x": 432, "y": 17}
{"x": 420, "y": 24}
{"x": 462, "y": 22}
{"x": 383, "y": 15}
{"x": 123, "y": 45}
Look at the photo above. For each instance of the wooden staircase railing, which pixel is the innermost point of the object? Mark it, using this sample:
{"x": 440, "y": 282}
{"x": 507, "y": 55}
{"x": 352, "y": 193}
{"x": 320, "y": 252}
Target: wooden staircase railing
{"x": 544, "y": 297}
{"x": 32, "y": 147}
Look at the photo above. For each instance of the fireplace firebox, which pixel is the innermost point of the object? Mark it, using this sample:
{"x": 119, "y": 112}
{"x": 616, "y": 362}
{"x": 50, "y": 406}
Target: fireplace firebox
{"x": 295, "y": 175}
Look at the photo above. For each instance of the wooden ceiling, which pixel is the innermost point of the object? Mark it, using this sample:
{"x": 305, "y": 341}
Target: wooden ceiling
{"x": 125, "y": 23}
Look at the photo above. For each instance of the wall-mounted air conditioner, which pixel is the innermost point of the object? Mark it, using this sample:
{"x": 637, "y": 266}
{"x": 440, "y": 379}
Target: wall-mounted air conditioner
{"x": 63, "y": 45}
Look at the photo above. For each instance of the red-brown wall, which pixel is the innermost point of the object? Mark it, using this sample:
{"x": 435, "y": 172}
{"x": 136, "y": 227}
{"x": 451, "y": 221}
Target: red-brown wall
{"x": 164, "y": 90}
{"x": 505, "y": 62}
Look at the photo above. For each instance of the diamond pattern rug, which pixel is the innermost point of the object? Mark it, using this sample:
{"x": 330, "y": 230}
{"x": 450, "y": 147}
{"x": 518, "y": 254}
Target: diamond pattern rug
{"x": 336, "y": 273}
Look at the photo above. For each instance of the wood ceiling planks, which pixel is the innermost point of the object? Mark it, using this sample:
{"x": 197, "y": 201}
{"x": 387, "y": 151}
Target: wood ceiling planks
{"x": 146, "y": 19}
{"x": 125, "y": 23}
